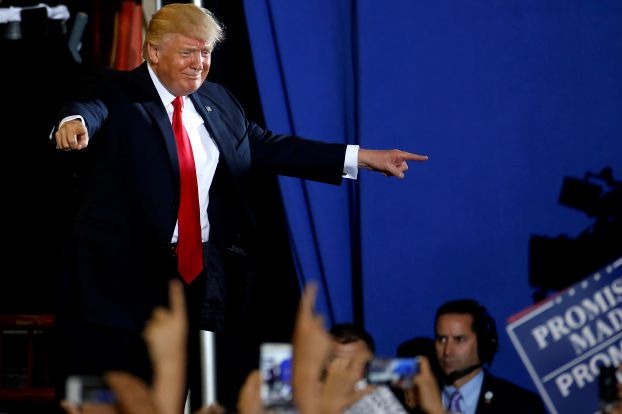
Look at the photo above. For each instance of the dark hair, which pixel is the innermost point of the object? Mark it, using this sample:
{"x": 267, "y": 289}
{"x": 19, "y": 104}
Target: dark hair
{"x": 484, "y": 326}
{"x": 346, "y": 333}
{"x": 420, "y": 345}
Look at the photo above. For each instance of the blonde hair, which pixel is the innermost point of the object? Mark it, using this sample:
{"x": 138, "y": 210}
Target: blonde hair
{"x": 186, "y": 19}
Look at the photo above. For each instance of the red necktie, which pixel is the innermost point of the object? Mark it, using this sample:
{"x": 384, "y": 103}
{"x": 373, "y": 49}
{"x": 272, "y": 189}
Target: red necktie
{"x": 189, "y": 249}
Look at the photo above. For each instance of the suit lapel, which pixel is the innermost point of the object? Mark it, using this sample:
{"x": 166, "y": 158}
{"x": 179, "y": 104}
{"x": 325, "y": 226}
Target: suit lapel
{"x": 486, "y": 401}
{"x": 153, "y": 105}
{"x": 215, "y": 124}
{"x": 209, "y": 110}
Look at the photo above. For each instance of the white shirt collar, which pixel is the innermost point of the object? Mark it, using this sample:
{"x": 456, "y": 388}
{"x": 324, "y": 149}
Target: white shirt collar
{"x": 470, "y": 391}
{"x": 165, "y": 95}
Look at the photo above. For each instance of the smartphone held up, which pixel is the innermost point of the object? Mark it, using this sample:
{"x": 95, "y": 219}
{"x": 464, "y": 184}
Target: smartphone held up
{"x": 276, "y": 374}
{"x": 80, "y": 389}
{"x": 394, "y": 372}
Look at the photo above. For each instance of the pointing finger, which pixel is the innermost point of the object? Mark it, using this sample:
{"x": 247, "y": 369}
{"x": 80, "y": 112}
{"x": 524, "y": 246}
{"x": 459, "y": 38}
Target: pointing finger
{"x": 409, "y": 156}
{"x": 177, "y": 301}
{"x": 308, "y": 298}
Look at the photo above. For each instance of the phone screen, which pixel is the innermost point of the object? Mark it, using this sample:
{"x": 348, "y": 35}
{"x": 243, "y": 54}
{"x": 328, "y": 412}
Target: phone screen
{"x": 276, "y": 374}
{"x": 395, "y": 372}
{"x": 80, "y": 389}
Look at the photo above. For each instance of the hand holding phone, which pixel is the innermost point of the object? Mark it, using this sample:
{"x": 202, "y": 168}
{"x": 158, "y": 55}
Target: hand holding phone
{"x": 80, "y": 389}
{"x": 395, "y": 372}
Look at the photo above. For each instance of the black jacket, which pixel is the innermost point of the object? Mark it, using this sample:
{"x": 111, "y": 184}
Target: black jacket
{"x": 498, "y": 396}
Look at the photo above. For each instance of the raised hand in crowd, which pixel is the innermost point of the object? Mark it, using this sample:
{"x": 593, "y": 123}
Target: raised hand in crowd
{"x": 132, "y": 393}
{"x": 339, "y": 390}
{"x": 165, "y": 335}
{"x": 88, "y": 408}
{"x": 135, "y": 397}
{"x": 249, "y": 399}
{"x": 425, "y": 394}
{"x": 312, "y": 348}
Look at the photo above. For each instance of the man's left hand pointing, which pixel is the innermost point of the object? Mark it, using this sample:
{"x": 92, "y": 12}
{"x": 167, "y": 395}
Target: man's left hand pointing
{"x": 388, "y": 162}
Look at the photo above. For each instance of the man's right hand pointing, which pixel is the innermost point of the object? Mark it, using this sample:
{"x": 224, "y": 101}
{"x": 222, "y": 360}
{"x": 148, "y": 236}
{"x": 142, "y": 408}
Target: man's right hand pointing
{"x": 72, "y": 135}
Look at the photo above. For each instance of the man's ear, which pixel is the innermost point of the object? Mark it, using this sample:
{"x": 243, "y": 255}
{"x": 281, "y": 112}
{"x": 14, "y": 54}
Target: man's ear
{"x": 154, "y": 54}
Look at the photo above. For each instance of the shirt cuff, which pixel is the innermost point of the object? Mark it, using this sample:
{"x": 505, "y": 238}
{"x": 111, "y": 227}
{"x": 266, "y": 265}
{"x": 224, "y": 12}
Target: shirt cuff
{"x": 351, "y": 161}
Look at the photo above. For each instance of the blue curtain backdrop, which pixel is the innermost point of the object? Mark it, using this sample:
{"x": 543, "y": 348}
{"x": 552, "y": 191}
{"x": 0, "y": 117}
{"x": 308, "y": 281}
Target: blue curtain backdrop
{"x": 506, "y": 98}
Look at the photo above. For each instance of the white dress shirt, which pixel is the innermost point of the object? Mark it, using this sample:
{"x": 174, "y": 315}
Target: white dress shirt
{"x": 469, "y": 392}
{"x": 204, "y": 149}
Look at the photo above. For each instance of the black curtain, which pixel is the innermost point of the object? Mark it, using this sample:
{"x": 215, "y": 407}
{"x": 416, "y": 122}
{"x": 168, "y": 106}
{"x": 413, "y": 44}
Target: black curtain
{"x": 37, "y": 76}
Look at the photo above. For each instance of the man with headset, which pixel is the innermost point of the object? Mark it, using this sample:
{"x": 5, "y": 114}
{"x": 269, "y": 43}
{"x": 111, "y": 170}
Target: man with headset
{"x": 466, "y": 339}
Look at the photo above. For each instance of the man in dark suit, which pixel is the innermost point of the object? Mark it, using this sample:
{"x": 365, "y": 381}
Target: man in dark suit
{"x": 466, "y": 340}
{"x": 160, "y": 133}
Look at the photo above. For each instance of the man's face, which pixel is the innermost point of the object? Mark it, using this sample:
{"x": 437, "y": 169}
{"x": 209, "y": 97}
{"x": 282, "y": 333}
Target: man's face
{"x": 456, "y": 343}
{"x": 181, "y": 63}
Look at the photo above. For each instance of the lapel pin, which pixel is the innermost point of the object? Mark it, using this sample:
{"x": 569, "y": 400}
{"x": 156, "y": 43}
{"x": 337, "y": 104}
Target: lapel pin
{"x": 209, "y": 108}
{"x": 488, "y": 396}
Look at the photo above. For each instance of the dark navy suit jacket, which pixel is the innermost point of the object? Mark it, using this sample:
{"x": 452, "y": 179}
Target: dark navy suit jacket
{"x": 498, "y": 396}
{"x": 119, "y": 256}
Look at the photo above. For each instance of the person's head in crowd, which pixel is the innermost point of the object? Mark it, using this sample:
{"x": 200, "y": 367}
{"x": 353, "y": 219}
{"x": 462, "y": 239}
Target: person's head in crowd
{"x": 419, "y": 345}
{"x": 350, "y": 340}
{"x": 466, "y": 339}
{"x": 178, "y": 46}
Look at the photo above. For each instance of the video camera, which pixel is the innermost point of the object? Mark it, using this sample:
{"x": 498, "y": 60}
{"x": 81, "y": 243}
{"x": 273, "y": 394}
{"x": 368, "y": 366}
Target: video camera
{"x": 558, "y": 262}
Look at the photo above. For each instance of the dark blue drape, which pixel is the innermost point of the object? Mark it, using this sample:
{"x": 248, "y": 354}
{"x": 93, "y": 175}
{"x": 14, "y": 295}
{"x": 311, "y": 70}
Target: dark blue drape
{"x": 507, "y": 98}
{"x": 303, "y": 59}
